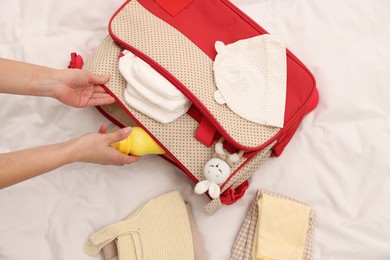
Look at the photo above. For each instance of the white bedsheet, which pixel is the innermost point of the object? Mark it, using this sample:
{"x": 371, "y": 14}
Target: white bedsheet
{"x": 337, "y": 162}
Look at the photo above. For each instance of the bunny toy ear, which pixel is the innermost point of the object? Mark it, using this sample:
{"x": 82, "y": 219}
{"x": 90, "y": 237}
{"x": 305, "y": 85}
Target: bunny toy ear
{"x": 236, "y": 156}
{"x": 219, "y": 147}
{"x": 233, "y": 158}
{"x": 229, "y": 158}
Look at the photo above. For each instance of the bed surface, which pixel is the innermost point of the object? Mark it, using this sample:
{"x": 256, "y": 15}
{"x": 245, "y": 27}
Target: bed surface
{"x": 337, "y": 162}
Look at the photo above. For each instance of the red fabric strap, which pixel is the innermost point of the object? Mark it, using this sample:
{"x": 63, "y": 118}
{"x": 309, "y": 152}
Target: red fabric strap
{"x": 230, "y": 196}
{"x": 205, "y": 133}
{"x": 76, "y": 61}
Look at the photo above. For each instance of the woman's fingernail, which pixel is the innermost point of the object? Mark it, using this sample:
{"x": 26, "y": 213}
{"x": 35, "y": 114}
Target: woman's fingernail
{"x": 127, "y": 130}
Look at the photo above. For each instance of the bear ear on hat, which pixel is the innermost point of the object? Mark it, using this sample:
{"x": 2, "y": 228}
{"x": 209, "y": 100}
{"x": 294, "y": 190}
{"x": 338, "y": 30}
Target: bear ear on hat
{"x": 219, "y": 46}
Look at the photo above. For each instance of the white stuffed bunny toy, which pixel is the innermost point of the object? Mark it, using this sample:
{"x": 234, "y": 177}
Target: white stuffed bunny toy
{"x": 217, "y": 170}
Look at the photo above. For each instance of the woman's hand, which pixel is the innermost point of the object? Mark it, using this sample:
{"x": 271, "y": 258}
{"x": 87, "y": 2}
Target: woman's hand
{"x": 79, "y": 88}
{"x": 90, "y": 148}
{"x": 73, "y": 87}
{"x": 96, "y": 147}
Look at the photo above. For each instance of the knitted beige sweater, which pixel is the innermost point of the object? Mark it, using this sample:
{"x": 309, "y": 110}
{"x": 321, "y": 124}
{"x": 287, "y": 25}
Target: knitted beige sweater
{"x": 158, "y": 230}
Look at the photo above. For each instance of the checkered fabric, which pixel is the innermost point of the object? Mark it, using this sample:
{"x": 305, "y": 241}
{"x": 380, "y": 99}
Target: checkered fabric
{"x": 243, "y": 246}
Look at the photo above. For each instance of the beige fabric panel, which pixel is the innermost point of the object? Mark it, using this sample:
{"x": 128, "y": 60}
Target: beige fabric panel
{"x": 104, "y": 60}
{"x": 213, "y": 206}
{"x": 116, "y": 111}
{"x": 190, "y": 65}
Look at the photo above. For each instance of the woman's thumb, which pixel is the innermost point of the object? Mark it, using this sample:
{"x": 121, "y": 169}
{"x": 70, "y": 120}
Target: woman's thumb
{"x": 119, "y": 135}
{"x": 100, "y": 80}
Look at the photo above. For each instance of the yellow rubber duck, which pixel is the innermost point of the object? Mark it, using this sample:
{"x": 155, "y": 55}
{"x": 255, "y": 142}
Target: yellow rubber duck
{"x": 138, "y": 143}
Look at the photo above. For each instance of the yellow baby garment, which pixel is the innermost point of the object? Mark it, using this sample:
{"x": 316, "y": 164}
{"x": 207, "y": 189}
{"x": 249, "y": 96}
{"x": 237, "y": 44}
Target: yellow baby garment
{"x": 281, "y": 229}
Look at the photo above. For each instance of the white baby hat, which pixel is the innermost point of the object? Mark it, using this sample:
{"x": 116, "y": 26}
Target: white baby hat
{"x": 250, "y": 75}
{"x": 149, "y": 92}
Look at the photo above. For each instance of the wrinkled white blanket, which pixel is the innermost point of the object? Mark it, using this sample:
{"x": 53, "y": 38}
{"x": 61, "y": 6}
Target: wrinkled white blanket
{"x": 337, "y": 162}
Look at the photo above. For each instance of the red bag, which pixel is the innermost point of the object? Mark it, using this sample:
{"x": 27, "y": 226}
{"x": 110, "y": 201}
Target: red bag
{"x": 177, "y": 39}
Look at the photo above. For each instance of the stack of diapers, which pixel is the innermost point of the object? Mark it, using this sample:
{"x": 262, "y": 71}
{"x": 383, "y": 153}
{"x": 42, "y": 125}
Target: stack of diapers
{"x": 276, "y": 228}
{"x": 149, "y": 92}
{"x": 164, "y": 228}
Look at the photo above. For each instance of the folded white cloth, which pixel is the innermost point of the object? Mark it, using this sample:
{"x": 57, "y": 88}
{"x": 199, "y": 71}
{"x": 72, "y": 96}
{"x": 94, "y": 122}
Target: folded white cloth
{"x": 251, "y": 76}
{"x": 157, "y": 113}
{"x": 149, "y": 92}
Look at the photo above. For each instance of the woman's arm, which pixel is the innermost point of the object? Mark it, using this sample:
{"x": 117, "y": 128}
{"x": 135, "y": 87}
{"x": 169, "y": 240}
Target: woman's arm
{"x": 74, "y": 87}
{"x": 90, "y": 148}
